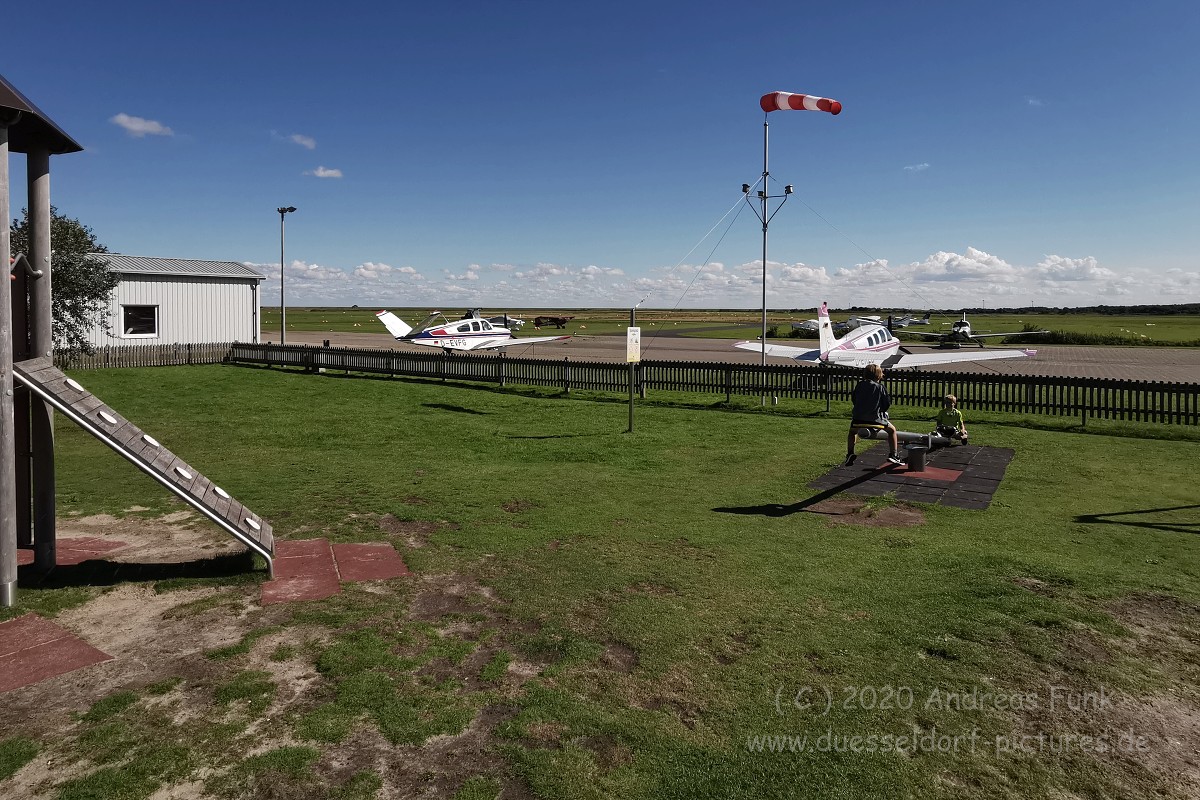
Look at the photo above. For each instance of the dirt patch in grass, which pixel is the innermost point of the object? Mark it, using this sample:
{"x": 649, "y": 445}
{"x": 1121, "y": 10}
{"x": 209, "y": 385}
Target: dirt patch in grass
{"x": 517, "y": 506}
{"x": 620, "y": 657}
{"x": 1147, "y": 742}
{"x": 414, "y": 533}
{"x": 445, "y": 595}
{"x": 173, "y": 538}
{"x": 608, "y": 752}
{"x": 854, "y": 511}
{"x": 176, "y": 650}
{"x": 1034, "y": 585}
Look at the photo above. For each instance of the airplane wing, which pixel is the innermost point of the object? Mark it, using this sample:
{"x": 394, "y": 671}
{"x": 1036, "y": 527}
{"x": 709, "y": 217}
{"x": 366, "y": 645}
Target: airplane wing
{"x": 515, "y": 342}
{"x": 929, "y": 335}
{"x": 1014, "y": 333}
{"x": 906, "y": 360}
{"x": 783, "y": 351}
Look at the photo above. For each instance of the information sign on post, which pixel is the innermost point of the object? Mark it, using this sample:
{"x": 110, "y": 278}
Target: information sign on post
{"x": 633, "y": 345}
{"x": 633, "y": 354}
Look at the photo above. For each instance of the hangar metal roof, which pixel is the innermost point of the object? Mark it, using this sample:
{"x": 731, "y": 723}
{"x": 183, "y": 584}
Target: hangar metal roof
{"x": 146, "y": 265}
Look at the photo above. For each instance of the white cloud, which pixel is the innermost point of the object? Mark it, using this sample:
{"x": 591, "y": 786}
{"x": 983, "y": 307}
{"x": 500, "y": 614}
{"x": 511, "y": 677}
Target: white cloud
{"x": 917, "y": 167}
{"x": 975, "y": 266}
{"x": 944, "y": 279}
{"x": 379, "y": 272}
{"x": 324, "y": 172}
{"x": 1059, "y": 268}
{"x": 139, "y": 127}
{"x": 1035, "y": 102}
{"x": 307, "y": 142}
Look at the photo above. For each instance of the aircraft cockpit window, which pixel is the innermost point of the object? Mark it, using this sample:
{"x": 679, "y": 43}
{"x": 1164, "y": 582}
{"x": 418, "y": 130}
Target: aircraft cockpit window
{"x": 464, "y": 328}
{"x": 487, "y": 326}
{"x": 474, "y": 326}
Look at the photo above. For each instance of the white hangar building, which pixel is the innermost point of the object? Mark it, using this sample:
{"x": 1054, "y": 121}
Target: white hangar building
{"x": 179, "y": 301}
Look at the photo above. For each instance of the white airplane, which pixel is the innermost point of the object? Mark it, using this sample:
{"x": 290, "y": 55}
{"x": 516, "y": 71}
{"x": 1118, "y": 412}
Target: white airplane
{"x": 960, "y": 334}
{"x": 470, "y": 333}
{"x": 853, "y": 323}
{"x": 503, "y": 320}
{"x": 810, "y": 325}
{"x": 869, "y": 344}
{"x": 904, "y": 322}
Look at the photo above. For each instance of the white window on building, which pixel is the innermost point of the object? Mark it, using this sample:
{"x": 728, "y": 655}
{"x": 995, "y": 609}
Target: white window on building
{"x": 139, "y": 322}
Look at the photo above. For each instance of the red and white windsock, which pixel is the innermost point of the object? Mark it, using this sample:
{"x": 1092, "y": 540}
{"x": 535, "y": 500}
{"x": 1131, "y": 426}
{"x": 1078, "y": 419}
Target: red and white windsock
{"x": 783, "y": 101}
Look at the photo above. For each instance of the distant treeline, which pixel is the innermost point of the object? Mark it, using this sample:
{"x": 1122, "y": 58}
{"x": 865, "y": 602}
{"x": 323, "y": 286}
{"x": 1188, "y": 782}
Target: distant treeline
{"x": 1162, "y": 309}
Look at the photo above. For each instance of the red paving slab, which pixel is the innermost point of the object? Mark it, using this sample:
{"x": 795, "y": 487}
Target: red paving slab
{"x": 33, "y": 649}
{"x": 368, "y": 562}
{"x": 74, "y": 550}
{"x": 312, "y": 570}
{"x": 304, "y": 570}
{"x": 303, "y": 558}
{"x": 301, "y": 587}
{"x": 930, "y": 473}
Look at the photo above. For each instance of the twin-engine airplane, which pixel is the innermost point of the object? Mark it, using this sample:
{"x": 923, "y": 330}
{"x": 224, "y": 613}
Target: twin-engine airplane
{"x": 869, "y": 344}
{"x": 960, "y": 334}
{"x": 474, "y": 333}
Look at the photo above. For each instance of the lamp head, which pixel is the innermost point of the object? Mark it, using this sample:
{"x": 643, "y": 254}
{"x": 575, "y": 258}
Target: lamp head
{"x": 287, "y": 210}
{"x": 788, "y": 189}
{"x": 745, "y": 188}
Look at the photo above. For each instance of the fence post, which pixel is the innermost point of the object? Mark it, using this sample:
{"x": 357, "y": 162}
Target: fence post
{"x": 500, "y": 367}
{"x": 566, "y": 375}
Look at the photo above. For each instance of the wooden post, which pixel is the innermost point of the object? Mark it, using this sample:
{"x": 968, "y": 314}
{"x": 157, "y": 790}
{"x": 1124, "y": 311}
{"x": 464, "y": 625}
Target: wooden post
{"x": 8, "y": 472}
{"x": 41, "y": 344}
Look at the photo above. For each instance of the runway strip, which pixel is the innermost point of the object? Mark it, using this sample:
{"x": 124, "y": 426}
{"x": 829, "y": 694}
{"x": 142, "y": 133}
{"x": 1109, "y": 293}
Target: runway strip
{"x": 1169, "y": 364}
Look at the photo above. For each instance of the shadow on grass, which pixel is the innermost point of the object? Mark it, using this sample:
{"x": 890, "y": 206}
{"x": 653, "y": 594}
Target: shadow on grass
{"x": 456, "y": 409}
{"x": 810, "y": 408}
{"x": 778, "y": 510}
{"x": 1138, "y": 519}
{"x": 240, "y": 567}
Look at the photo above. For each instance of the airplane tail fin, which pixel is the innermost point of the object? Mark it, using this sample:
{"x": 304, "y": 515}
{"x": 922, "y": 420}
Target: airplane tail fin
{"x": 927, "y": 315}
{"x": 394, "y": 324}
{"x": 828, "y": 340}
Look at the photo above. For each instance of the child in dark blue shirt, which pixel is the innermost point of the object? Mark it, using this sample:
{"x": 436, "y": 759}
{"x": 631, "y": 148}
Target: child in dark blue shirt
{"x": 871, "y": 403}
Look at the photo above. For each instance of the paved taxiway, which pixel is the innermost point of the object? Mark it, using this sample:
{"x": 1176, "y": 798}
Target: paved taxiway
{"x": 1172, "y": 364}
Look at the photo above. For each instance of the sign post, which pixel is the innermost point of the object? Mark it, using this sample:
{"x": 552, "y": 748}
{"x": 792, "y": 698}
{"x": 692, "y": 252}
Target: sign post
{"x": 633, "y": 354}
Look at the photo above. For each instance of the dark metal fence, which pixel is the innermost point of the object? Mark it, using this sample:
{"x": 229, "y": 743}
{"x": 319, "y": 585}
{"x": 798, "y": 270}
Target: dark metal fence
{"x": 1101, "y": 398}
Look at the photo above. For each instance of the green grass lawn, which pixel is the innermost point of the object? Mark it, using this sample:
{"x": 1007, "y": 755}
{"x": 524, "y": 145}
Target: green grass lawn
{"x": 676, "y": 622}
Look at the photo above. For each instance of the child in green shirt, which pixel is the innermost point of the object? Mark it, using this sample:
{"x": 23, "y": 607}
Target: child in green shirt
{"x": 949, "y": 421}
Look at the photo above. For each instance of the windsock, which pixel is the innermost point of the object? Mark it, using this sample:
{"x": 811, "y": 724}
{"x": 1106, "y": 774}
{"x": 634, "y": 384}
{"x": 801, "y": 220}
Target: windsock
{"x": 783, "y": 101}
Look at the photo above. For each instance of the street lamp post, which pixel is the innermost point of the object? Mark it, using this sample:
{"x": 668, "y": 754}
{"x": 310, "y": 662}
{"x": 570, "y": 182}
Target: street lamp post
{"x": 283, "y": 210}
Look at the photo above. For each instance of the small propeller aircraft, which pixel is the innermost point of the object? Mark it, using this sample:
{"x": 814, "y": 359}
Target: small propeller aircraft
{"x": 905, "y": 321}
{"x": 470, "y": 333}
{"x": 853, "y": 323}
{"x": 960, "y": 334}
{"x": 869, "y": 344}
{"x": 503, "y": 320}
{"x": 809, "y": 325}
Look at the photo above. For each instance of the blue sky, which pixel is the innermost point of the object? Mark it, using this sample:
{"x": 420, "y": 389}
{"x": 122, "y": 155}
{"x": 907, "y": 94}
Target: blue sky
{"x": 558, "y": 154}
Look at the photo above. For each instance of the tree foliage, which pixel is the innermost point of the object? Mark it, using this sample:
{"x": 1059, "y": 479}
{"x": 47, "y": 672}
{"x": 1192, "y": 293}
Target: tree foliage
{"x": 81, "y": 285}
